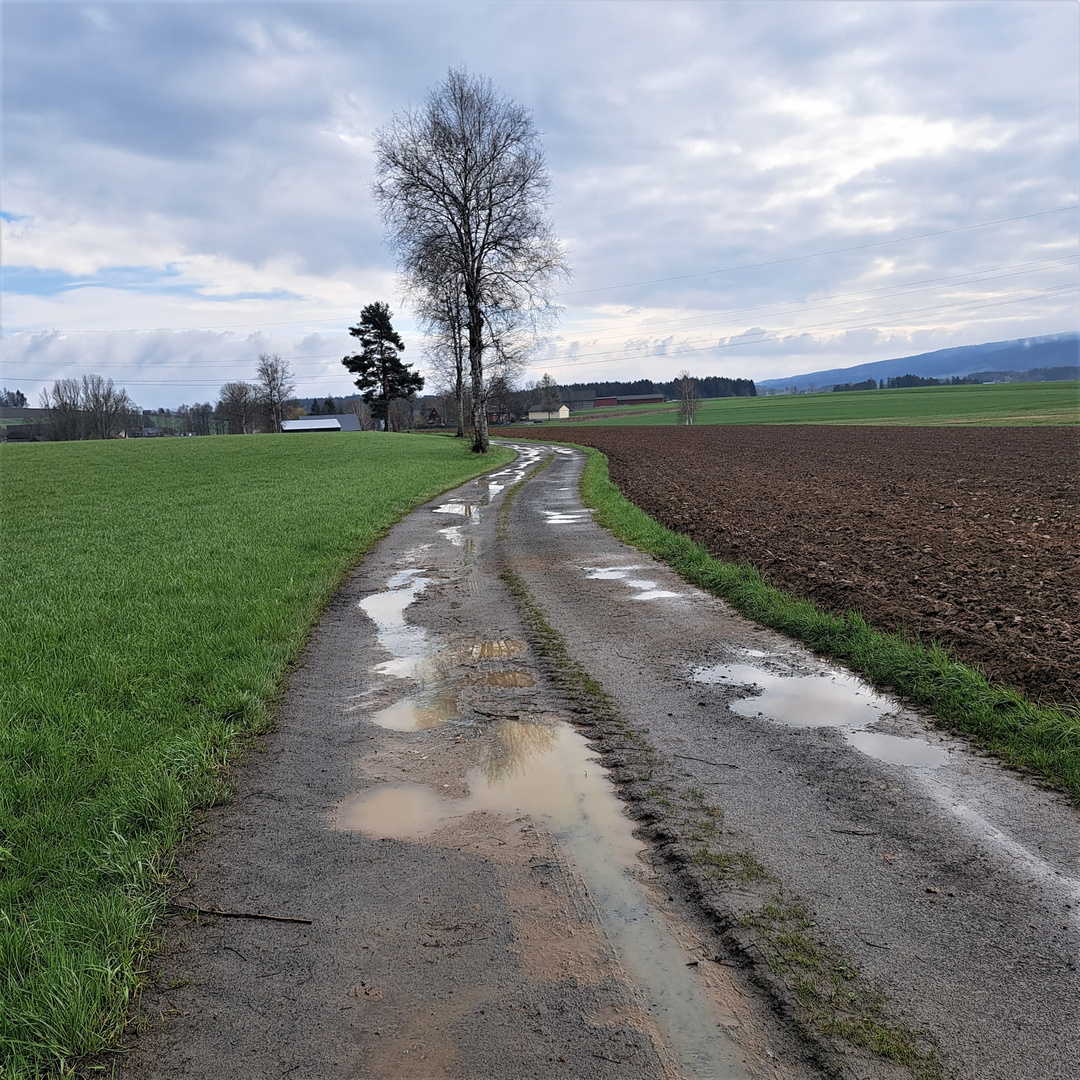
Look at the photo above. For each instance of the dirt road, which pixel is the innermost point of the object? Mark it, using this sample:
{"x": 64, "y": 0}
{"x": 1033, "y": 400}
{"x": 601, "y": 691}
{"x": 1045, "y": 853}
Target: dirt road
{"x": 819, "y": 885}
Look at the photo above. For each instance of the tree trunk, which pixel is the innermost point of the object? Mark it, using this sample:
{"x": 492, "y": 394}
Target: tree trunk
{"x": 476, "y": 368}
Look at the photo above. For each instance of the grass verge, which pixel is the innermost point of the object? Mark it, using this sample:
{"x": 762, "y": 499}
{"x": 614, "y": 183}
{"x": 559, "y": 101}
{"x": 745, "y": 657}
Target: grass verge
{"x": 155, "y": 593}
{"x": 1021, "y": 732}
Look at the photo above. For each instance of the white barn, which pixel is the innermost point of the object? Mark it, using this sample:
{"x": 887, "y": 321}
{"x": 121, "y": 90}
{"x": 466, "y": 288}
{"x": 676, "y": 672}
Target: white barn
{"x": 539, "y": 413}
{"x": 335, "y": 422}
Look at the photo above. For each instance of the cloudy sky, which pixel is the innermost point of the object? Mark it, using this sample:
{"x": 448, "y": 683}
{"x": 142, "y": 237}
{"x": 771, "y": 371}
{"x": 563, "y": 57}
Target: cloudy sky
{"x": 744, "y": 189}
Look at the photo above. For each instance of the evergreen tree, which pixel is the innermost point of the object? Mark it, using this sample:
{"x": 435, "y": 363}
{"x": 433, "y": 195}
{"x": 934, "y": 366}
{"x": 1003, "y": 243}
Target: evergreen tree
{"x": 314, "y": 410}
{"x": 382, "y": 375}
{"x": 330, "y": 406}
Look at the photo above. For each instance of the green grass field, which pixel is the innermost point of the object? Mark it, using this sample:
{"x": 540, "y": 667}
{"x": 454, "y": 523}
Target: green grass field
{"x": 1005, "y": 403}
{"x": 154, "y": 594}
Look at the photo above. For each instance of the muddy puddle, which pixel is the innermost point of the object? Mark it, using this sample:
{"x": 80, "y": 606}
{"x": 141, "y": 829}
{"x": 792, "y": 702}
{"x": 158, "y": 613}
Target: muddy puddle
{"x": 832, "y": 698}
{"x": 547, "y": 772}
{"x": 413, "y": 714}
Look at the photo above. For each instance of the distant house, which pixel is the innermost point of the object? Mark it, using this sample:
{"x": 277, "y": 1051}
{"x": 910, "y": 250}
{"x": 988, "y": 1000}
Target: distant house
{"x": 434, "y": 418}
{"x": 540, "y": 413}
{"x": 336, "y": 422}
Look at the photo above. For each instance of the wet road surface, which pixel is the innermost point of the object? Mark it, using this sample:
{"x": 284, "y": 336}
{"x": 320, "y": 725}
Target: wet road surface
{"x": 480, "y": 904}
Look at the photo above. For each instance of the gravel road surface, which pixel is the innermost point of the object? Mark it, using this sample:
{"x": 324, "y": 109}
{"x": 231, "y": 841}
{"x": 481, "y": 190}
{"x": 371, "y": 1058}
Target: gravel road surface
{"x": 437, "y": 800}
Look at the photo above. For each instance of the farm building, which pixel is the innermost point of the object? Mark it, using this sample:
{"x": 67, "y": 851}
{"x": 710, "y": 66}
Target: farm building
{"x": 540, "y": 413}
{"x": 630, "y": 399}
{"x": 336, "y": 422}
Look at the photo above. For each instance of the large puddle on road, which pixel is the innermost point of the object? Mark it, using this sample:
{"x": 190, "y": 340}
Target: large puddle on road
{"x": 838, "y": 699}
{"x": 548, "y": 773}
{"x": 407, "y": 643}
{"x": 833, "y": 698}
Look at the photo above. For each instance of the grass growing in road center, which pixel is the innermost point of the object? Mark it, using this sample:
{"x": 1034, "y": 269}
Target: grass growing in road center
{"x": 154, "y": 594}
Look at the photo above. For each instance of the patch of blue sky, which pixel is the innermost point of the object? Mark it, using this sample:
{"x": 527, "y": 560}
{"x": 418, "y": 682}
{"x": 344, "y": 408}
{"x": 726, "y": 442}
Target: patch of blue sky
{"x": 6, "y": 215}
{"x": 32, "y": 281}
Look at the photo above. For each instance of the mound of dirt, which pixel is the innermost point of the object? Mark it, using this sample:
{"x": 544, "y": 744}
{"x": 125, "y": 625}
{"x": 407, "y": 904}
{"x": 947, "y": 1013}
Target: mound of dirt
{"x": 970, "y": 536}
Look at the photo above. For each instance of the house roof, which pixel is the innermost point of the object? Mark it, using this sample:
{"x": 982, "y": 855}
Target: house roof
{"x": 336, "y": 422}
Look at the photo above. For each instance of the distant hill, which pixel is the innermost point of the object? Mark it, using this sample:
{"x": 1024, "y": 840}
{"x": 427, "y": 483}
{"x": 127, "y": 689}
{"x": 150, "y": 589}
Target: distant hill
{"x": 1004, "y": 358}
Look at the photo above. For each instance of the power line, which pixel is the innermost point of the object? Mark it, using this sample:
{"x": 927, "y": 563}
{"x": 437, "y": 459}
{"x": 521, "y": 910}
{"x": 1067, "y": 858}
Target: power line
{"x": 766, "y": 335}
{"x": 870, "y": 294}
{"x": 762, "y": 310}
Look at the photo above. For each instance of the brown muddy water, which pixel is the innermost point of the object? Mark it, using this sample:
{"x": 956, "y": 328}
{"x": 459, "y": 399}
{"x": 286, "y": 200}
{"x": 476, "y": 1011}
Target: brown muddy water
{"x": 548, "y": 772}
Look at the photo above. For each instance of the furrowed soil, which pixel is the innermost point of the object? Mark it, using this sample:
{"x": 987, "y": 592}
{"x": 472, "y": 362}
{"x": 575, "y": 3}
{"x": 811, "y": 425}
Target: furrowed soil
{"x": 968, "y": 536}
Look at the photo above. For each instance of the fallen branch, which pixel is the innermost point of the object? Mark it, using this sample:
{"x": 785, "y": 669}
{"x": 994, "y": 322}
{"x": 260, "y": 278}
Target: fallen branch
{"x": 181, "y": 909}
{"x": 706, "y": 761}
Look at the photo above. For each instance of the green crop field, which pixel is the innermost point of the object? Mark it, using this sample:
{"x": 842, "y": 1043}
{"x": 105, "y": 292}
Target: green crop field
{"x": 1005, "y": 403}
{"x": 154, "y": 593}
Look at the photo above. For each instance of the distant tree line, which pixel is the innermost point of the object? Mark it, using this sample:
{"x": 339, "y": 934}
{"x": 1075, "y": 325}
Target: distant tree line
{"x": 1062, "y": 373}
{"x": 711, "y": 386}
{"x": 868, "y": 384}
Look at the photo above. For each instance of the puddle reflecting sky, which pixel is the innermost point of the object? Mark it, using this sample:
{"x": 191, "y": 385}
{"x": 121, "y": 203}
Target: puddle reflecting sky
{"x": 832, "y": 699}
{"x": 646, "y": 590}
{"x": 566, "y": 517}
{"x": 464, "y": 509}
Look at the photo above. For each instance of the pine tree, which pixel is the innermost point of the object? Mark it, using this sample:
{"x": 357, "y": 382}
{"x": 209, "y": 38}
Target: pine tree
{"x": 382, "y": 375}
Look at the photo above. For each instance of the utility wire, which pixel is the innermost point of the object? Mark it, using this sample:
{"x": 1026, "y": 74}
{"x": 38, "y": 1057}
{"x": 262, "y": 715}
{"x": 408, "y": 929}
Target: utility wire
{"x": 661, "y": 350}
{"x": 652, "y": 281}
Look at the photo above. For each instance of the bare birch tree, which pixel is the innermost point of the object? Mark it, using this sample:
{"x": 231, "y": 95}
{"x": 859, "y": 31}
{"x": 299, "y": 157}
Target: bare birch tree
{"x": 105, "y": 406}
{"x": 64, "y": 405}
{"x": 443, "y": 316}
{"x": 689, "y": 398}
{"x": 275, "y": 386}
{"x": 464, "y": 191}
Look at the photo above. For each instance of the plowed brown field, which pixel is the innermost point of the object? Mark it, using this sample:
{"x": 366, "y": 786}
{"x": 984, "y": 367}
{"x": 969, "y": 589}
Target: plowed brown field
{"x": 967, "y": 535}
